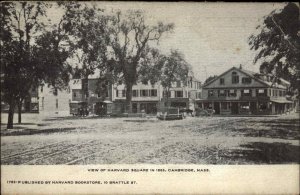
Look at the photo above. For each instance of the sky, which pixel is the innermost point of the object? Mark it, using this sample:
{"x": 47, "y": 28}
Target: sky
{"x": 212, "y": 36}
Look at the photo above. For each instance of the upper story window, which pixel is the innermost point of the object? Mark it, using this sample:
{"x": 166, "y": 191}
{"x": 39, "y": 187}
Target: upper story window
{"x": 232, "y": 93}
{"x": 178, "y": 84}
{"x": 120, "y": 93}
{"x": 153, "y": 92}
{"x": 246, "y": 80}
{"x": 167, "y": 93}
{"x": 74, "y": 94}
{"x": 261, "y": 92}
{"x": 246, "y": 92}
{"x": 178, "y": 93}
{"x": 135, "y": 93}
{"x": 210, "y": 93}
{"x": 222, "y": 93}
{"x": 222, "y": 81}
{"x": 143, "y": 93}
{"x": 235, "y": 78}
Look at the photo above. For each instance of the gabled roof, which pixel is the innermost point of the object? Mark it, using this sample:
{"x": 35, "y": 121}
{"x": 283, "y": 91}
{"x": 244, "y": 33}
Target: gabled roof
{"x": 250, "y": 74}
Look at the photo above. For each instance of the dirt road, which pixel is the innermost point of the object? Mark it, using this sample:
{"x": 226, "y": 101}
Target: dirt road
{"x": 206, "y": 140}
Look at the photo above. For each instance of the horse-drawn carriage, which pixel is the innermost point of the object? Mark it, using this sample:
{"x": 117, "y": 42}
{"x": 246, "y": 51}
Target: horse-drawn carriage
{"x": 103, "y": 108}
{"x": 170, "y": 114}
{"x": 79, "y": 108}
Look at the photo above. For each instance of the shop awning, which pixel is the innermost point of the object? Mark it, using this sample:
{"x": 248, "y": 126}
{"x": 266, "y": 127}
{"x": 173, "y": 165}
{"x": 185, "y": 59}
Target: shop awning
{"x": 282, "y": 101}
{"x": 107, "y": 102}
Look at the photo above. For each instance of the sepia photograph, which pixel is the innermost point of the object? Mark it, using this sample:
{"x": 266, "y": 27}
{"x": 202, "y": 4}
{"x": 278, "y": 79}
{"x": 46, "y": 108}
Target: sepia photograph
{"x": 140, "y": 83}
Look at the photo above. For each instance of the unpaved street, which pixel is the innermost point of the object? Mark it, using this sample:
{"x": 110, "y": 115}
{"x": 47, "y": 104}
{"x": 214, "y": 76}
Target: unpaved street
{"x": 203, "y": 140}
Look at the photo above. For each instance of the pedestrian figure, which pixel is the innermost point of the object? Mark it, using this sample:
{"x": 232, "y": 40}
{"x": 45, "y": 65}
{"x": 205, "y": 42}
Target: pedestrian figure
{"x": 80, "y": 112}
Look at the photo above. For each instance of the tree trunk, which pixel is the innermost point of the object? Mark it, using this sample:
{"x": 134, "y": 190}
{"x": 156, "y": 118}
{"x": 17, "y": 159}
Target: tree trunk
{"x": 129, "y": 97}
{"x": 168, "y": 93}
{"x": 10, "y": 122}
{"x": 20, "y": 112}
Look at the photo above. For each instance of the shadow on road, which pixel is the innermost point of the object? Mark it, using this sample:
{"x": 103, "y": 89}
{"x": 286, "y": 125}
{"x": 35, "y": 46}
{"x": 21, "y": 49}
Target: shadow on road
{"x": 269, "y": 153}
{"x": 282, "y": 129}
{"x": 35, "y": 131}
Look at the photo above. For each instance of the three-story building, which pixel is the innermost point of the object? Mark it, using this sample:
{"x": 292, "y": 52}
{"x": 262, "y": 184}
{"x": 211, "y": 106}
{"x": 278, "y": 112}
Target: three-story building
{"x": 146, "y": 97}
{"x": 239, "y": 91}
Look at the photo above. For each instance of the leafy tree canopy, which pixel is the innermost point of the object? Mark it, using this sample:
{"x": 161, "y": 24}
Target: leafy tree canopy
{"x": 278, "y": 43}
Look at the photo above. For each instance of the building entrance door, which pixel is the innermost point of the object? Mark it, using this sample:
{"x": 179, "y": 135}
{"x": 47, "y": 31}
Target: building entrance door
{"x": 134, "y": 107}
{"x": 234, "y": 108}
{"x": 217, "y": 107}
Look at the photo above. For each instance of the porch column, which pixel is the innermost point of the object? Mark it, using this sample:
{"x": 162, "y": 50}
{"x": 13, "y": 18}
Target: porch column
{"x": 138, "y": 107}
{"x": 273, "y": 108}
{"x": 249, "y": 112}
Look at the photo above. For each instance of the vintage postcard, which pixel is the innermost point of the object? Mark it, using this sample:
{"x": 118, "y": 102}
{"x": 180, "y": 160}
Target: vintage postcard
{"x": 149, "y": 98}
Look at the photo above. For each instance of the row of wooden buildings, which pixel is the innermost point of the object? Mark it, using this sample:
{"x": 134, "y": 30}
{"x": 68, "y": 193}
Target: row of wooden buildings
{"x": 235, "y": 92}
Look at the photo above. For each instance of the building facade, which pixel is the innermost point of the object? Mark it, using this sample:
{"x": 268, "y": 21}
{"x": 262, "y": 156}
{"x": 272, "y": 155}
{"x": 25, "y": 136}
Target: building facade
{"x": 86, "y": 90}
{"x": 146, "y": 98}
{"x": 239, "y": 91}
{"x": 53, "y": 102}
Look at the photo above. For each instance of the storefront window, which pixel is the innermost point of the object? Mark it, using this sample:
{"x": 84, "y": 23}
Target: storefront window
{"x": 245, "y": 105}
{"x": 224, "y": 105}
